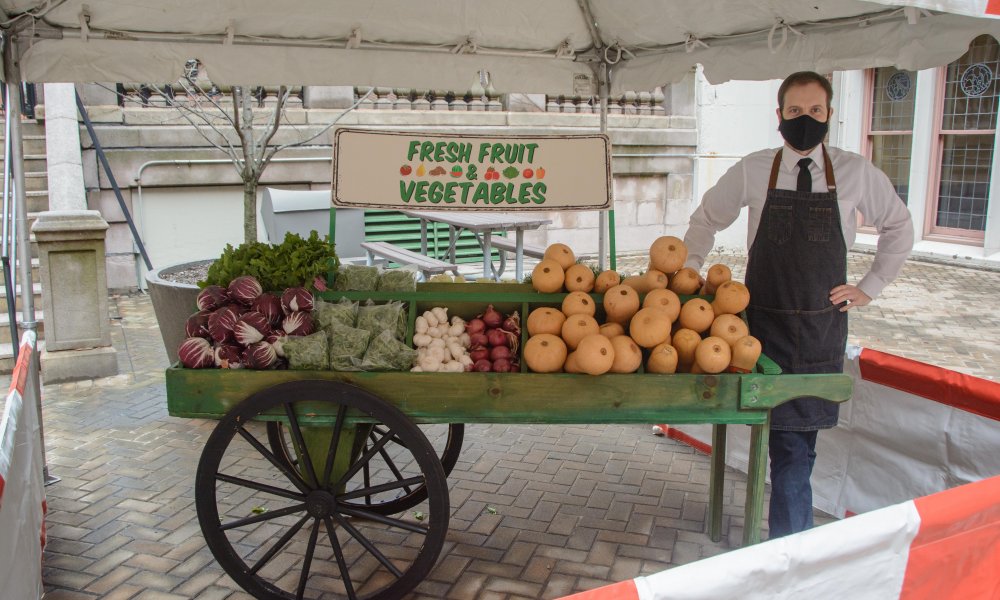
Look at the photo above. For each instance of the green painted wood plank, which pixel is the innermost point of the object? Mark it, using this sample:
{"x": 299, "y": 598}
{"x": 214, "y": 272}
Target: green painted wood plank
{"x": 717, "y": 475}
{"x": 753, "y": 509}
{"x": 768, "y": 391}
{"x": 487, "y": 397}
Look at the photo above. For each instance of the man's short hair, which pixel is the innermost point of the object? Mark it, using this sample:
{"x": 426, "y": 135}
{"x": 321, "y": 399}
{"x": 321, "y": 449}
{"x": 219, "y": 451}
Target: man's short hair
{"x": 803, "y": 78}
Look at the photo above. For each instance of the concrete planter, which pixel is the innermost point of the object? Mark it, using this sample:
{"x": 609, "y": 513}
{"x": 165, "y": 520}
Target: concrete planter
{"x": 173, "y": 303}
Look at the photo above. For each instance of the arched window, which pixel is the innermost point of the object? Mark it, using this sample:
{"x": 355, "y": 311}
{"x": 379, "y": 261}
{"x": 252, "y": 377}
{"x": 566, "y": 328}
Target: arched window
{"x": 889, "y": 135}
{"x": 965, "y": 136}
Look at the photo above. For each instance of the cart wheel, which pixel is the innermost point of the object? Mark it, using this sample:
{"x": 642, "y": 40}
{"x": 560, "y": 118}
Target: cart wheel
{"x": 449, "y": 447}
{"x": 305, "y": 531}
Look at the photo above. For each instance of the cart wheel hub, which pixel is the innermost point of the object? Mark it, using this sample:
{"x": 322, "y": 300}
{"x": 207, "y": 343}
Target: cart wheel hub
{"x": 320, "y": 503}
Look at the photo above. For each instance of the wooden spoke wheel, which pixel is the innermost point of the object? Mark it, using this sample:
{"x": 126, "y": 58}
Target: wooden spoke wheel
{"x": 446, "y": 439}
{"x": 308, "y": 529}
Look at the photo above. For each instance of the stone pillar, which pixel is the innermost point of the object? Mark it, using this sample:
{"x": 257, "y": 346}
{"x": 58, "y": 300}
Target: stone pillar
{"x": 74, "y": 296}
{"x": 62, "y": 148}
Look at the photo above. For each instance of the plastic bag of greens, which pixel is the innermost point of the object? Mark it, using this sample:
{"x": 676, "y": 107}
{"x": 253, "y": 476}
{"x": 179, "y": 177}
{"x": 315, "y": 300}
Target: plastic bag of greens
{"x": 402, "y": 279}
{"x": 347, "y": 347}
{"x": 386, "y": 353}
{"x": 356, "y": 277}
{"x": 328, "y": 314}
{"x": 308, "y": 352}
{"x": 377, "y": 318}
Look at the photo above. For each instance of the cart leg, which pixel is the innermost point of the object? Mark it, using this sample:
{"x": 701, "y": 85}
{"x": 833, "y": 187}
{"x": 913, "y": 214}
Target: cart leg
{"x": 717, "y": 480}
{"x": 756, "y": 472}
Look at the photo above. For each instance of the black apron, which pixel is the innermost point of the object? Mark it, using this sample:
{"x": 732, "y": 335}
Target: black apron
{"x": 797, "y": 257}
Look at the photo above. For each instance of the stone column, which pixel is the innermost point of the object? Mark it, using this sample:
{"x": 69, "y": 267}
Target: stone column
{"x": 62, "y": 148}
{"x": 74, "y": 296}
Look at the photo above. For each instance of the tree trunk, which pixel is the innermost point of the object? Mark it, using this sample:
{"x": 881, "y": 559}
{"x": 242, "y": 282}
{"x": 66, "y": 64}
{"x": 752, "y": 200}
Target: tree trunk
{"x": 250, "y": 210}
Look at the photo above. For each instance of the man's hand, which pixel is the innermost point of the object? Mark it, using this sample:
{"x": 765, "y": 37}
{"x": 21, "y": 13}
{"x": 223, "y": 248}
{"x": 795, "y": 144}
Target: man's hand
{"x": 850, "y": 294}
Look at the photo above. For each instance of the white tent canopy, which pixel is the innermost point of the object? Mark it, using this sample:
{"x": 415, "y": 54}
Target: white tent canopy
{"x": 547, "y": 46}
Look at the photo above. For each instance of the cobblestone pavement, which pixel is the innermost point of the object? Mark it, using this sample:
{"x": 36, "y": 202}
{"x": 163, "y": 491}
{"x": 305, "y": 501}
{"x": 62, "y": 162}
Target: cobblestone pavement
{"x": 537, "y": 511}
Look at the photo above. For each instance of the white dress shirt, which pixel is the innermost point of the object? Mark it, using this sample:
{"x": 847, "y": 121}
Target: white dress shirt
{"x": 861, "y": 187}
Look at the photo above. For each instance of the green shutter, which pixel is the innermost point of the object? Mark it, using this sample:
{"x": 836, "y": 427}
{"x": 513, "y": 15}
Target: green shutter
{"x": 403, "y": 231}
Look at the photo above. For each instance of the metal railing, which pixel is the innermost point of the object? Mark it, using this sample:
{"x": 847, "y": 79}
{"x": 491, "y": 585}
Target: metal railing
{"x": 8, "y": 237}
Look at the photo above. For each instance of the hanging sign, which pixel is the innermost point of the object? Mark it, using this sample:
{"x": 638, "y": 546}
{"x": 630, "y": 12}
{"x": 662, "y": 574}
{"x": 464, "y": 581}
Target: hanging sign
{"x": 441, "y": 171}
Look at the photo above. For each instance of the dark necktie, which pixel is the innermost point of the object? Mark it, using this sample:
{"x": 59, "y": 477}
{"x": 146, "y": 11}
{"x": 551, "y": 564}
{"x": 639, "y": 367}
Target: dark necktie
{"x": 805, "y": 182}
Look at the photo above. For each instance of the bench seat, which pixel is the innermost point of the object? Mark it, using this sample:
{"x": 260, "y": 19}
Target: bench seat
{"x": 510, "y": 245}
{"x": 425, "y": 264}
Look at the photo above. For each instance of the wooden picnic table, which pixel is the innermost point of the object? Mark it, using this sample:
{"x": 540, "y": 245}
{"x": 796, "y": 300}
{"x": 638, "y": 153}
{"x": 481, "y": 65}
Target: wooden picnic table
{"x": 482, "y": 224}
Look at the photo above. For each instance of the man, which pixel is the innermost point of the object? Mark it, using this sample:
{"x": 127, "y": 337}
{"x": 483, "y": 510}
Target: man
{"x": 803, "y": 202}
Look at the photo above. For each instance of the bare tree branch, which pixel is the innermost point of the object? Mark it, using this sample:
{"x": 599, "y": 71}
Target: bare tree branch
{"x": 279, "y": 109}
{"x": 327, "y": 128}
{"x": 186, "y": 113}
{"x": 195, "y": 92}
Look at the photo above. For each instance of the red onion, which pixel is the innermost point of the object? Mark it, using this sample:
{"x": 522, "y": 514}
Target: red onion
{"x": 479, "y": 353}
{"x": 475, "y": 326}
{"x": 478, "y": 339}
{"x": 512, "y": 323}
{"x": 501, "y": 365}
{"x": 492, "y": 317}
{"x": 496, "y": 337}
{"x": 498, "y": 353}
{"x": 482, "y": 366}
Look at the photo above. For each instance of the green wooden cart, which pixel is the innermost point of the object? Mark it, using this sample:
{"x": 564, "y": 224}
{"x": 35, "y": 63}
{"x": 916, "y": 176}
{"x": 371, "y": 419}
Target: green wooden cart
{"x": 323, "y": 482}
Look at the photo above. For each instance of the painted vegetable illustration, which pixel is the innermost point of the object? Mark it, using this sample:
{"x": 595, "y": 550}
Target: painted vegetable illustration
{"x": 528, "y": 173}
{"x": 405, "y": 170}
{"x": 421, "y": 170}
{"x": 540, "y": 173}
{"x": 456, "y": 171}
{"x": 511, "y": 172}
{"x": 437, "y": 171}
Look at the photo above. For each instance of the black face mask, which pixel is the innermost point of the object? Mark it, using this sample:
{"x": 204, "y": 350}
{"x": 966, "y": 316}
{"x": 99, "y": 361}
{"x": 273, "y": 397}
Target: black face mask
{"x": 803, "y": 133}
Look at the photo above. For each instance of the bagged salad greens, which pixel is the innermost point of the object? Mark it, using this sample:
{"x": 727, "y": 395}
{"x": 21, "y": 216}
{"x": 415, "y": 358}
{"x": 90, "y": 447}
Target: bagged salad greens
{"x": 397, "y": 280}
{"x": 356, "y": 277}
{"x": 328, "y": 314}
{"x": 386, "y": 353}
{"x": 347, "y": 347}
{"x": 310, "y": 352}
{"x": 377, "y": 318}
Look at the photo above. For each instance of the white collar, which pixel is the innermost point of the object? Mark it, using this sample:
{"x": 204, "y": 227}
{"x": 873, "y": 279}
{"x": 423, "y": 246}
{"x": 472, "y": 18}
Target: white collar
{"x": 790, "y": 159}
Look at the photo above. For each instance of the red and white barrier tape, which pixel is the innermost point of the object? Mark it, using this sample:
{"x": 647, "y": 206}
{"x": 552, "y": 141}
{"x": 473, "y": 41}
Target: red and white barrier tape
{"x": 22, "y": 490}
{"x": 942, "y": 546}
{"x": 911, "y": 430}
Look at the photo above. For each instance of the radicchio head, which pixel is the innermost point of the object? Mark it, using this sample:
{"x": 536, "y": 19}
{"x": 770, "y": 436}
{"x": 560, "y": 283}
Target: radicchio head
{"x": 298, "y": 323}
{"x": 251, "y": 328}
{"x": 212, "y": 297}
{"x": 196, "y": 353}
{"x": 296, "y": 299}
{"x": 269, "y": 305}
{"x": 245, "y": 289}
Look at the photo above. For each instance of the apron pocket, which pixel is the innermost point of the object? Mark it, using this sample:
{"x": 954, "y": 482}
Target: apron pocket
{"x": 800, "y": 341}
{"x": 822, "y": 339}
{"x": 779, "y": 224}
{"x": 819, "y": 223}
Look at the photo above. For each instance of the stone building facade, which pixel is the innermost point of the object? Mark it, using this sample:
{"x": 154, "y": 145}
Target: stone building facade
{"x": 185, "y": 196}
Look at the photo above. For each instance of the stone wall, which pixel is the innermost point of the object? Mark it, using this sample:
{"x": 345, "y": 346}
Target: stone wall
{"x": 652, "y": 160}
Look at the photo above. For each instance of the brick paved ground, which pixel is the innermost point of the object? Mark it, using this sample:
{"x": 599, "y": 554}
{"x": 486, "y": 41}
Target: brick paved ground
{"x": 575, "y": 507}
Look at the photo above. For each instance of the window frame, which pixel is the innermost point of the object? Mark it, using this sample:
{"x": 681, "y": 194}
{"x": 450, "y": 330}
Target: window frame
{"x": 932, "y": 231}
{"x": 867, "y": 134}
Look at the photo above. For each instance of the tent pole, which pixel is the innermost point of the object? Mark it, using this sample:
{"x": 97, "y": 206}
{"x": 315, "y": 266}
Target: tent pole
{"x": 606, "y": 219}
{"x": 32, "y": 388}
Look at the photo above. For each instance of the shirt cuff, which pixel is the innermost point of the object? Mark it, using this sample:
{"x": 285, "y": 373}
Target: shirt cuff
{"x": 872, "y": 285}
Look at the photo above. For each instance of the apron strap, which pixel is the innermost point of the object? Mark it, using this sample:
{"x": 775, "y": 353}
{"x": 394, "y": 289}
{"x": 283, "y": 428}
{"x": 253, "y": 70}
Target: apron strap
{"x": 831, "y": 181}
{"x": 773, "y": 181}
